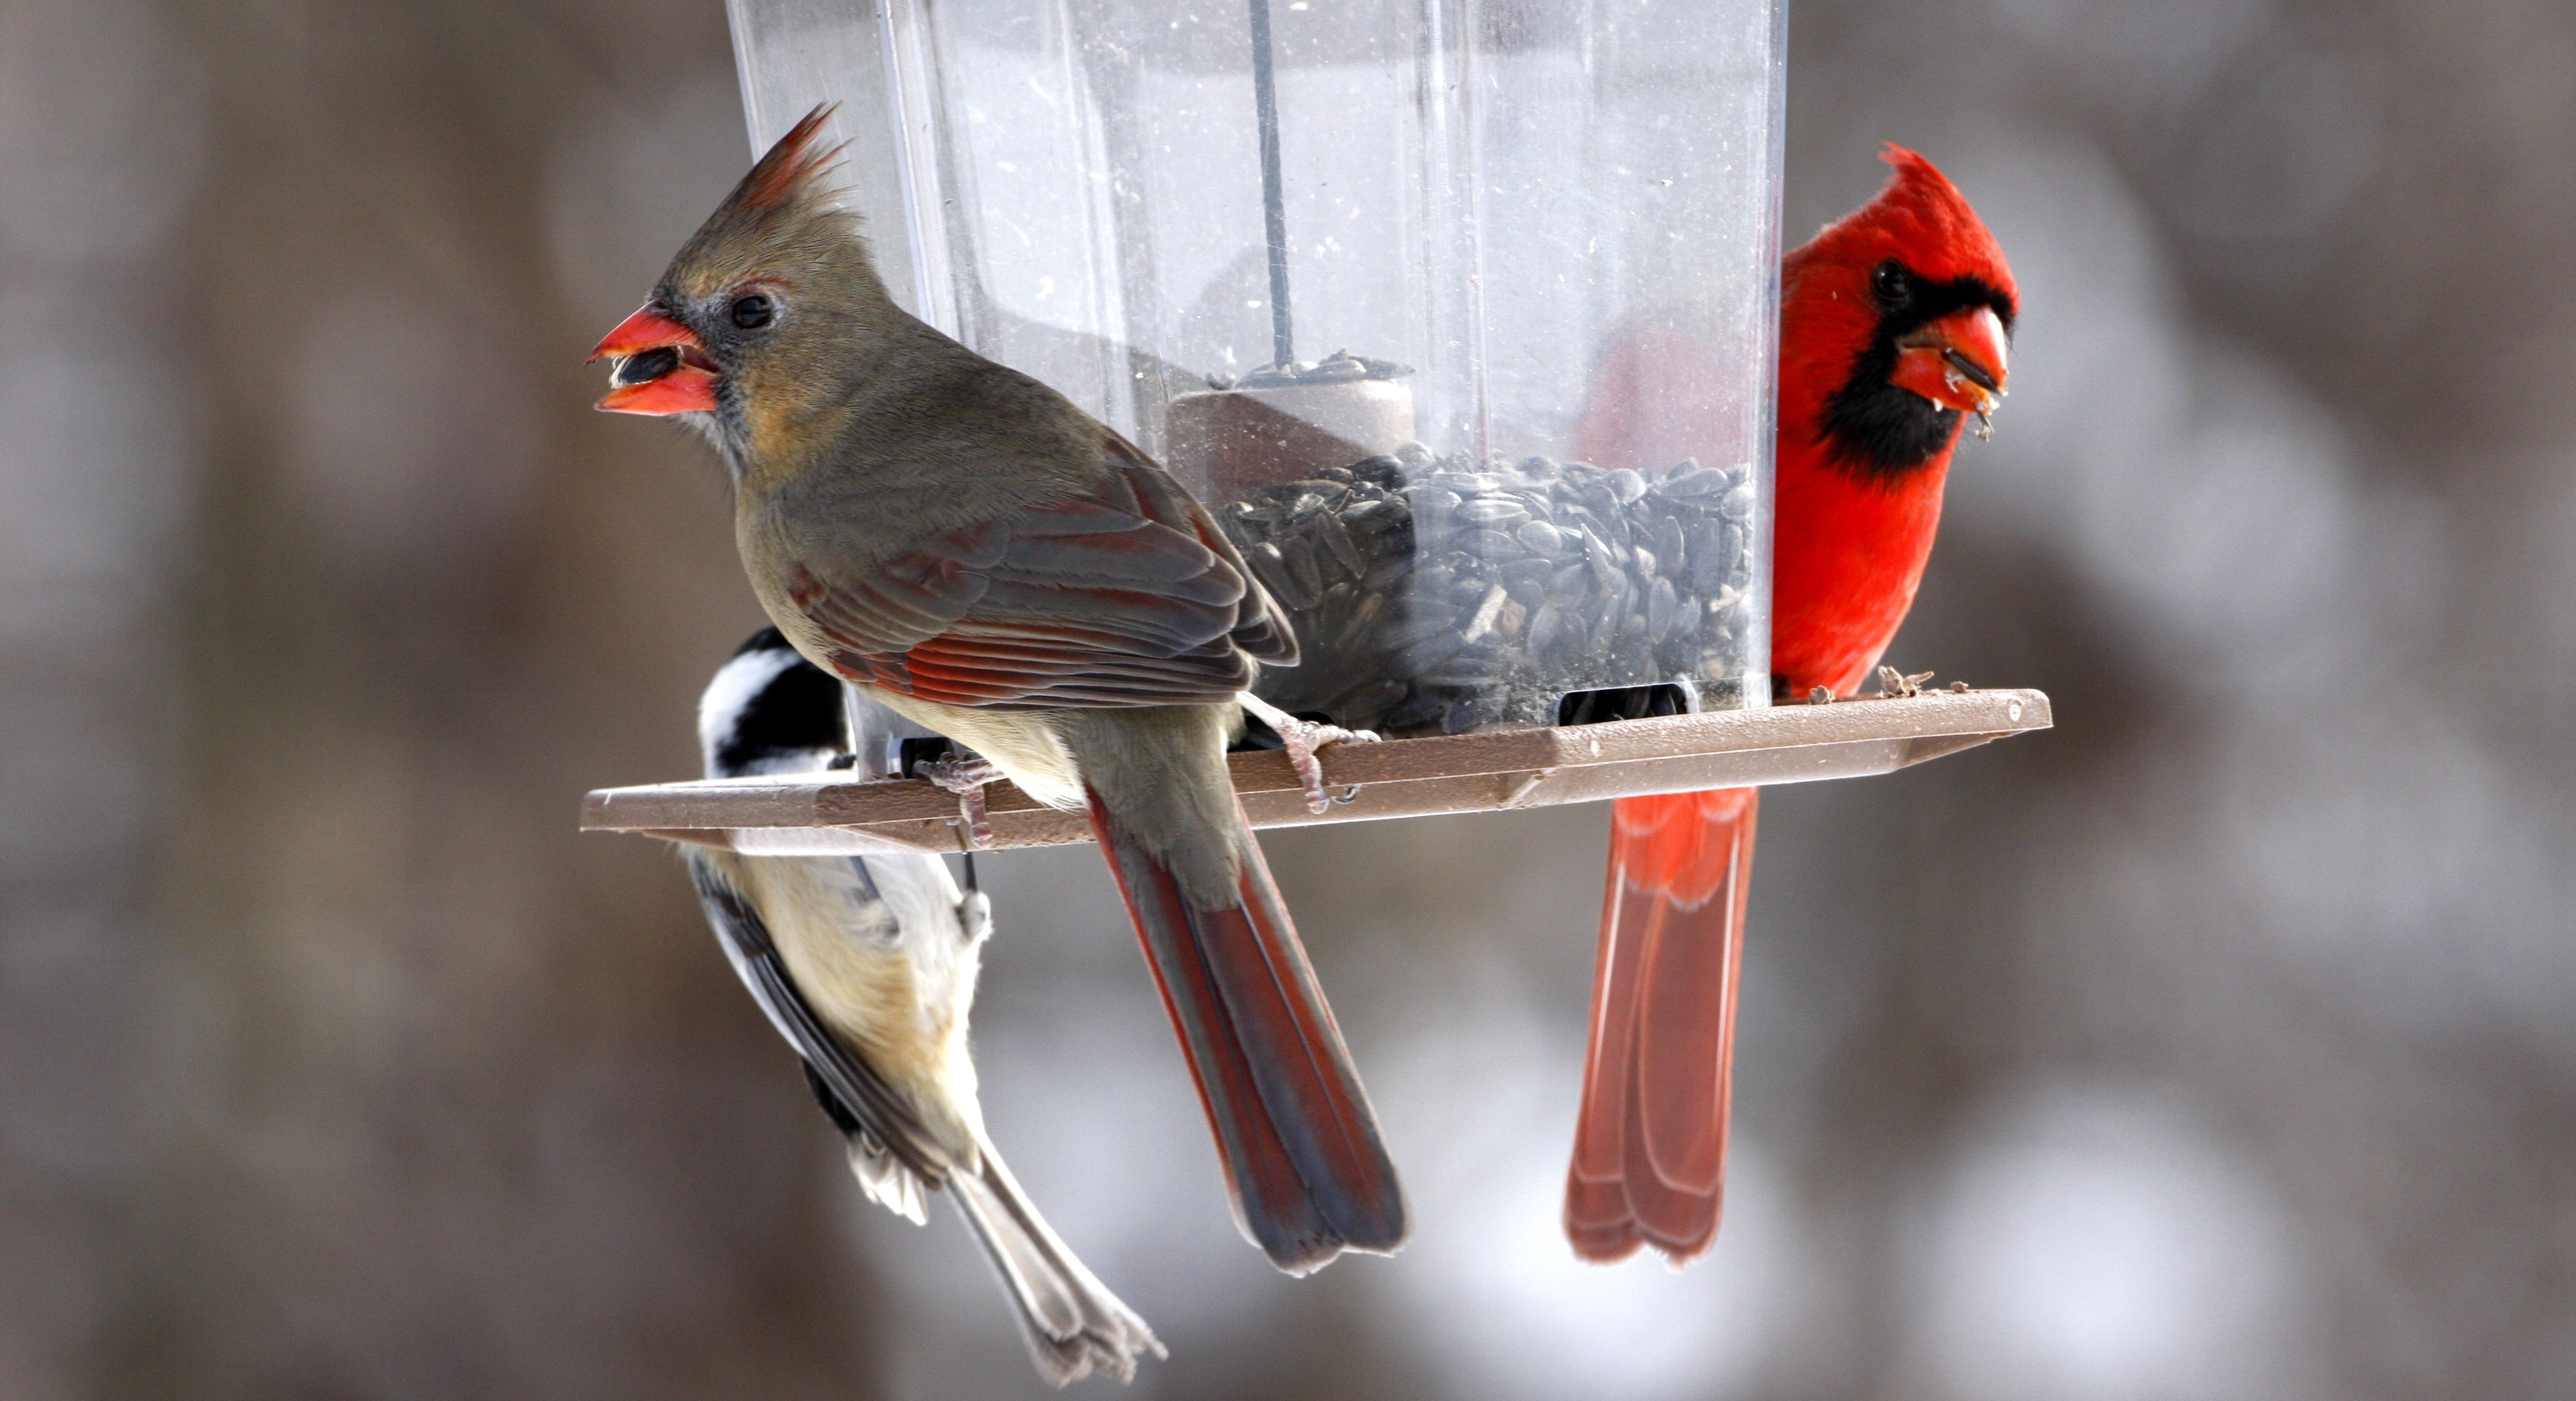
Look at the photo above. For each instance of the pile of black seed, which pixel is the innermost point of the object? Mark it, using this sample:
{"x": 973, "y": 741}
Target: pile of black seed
{"x": 1443, "y": 593}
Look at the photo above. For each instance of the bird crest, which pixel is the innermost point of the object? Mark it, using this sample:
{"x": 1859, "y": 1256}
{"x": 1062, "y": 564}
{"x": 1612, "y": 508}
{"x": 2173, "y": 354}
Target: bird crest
{"x": 784, "y": 212}
{"x": 1921, "y": 213}
{"x": 792, "y": 170}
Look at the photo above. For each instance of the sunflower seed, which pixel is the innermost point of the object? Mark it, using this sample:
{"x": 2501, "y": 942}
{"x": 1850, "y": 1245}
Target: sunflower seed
{"x": 1708, "y": 556}
{"x": 1384, "y": 575}
{"x": 1269, "y": 568}
{"x": 1358, "y": 624}
{"x": 1597, "y": 553}
{"x": 1368, "y": 516}
{"x": 1541, "y": 538}
{"x": 1487, "y": 609}
{"x": 1546, "y": 629}
{"x": 1496, "y": 511}
{"x": 1666, "y": 537}
{"x": 1304, "y": 570}
{"x": 1338, "y": 543}
{"x": 1663, "y": 605}
{"x": 1569, "y": 584}
{"x": 1429, "y": 652}
{"x": 1692, "y": 480}
{"x": 1527, "y": 578}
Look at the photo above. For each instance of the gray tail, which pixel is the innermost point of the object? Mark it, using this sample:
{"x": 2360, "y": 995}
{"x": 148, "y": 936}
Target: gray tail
{"x": 1071, "y": 1321}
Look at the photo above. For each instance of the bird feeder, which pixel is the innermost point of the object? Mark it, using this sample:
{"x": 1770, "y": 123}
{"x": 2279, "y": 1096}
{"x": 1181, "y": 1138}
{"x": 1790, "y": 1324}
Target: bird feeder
{"x": 1459, "y": 317}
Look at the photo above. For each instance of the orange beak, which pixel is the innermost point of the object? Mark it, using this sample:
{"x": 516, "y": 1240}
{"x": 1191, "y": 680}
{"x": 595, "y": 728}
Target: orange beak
{"x": 1956, "y": 362}
{"x": 661, "y": 367}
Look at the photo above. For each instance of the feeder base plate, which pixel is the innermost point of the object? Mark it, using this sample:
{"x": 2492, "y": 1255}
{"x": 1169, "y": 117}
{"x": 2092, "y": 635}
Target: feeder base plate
{"x": 1487, "y": 771}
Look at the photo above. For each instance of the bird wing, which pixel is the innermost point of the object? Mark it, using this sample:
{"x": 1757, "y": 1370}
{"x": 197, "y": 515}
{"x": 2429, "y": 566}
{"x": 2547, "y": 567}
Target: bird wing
{"x": 875, "y": 1107}
{"x": 1125, "y": 595}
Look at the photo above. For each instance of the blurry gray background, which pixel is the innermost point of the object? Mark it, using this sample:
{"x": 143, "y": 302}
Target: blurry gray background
{"x": 2221, "y": 1043}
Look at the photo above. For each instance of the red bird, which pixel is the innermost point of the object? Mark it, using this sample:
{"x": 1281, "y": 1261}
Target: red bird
{"x": 1892, "y": 327}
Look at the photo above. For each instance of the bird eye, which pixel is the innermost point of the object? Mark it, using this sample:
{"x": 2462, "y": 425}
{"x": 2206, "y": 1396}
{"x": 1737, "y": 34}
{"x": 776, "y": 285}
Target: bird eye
{"x": 753, "y": 311}
{"x": 1891, "y": 284}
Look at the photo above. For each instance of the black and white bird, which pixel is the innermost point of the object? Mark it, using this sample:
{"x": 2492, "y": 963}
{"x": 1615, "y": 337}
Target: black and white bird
{"x": 867, "y": 965}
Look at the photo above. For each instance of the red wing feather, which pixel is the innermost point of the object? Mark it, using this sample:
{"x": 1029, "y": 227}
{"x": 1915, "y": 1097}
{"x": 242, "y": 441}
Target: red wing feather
{"x": 1128, "y": 595}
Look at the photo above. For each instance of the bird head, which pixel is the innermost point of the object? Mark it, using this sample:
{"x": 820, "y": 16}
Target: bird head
{"x": 1894, "y": 322}
{"x": 759, "y": 301}
{"x": 768, "y": 710}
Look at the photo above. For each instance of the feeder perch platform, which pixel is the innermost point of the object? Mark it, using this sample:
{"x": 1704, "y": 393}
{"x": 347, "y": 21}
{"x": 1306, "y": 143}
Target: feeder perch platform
{"x": 1485, "y": 771}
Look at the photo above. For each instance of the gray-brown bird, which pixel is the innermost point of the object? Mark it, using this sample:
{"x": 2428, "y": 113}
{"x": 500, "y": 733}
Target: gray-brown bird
{"x": 867, "y": 965}
{"x": 996, "y": 565}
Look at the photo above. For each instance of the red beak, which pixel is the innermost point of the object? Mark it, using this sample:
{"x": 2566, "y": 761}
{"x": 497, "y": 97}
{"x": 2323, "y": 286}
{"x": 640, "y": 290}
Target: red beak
{"x": 1956, "y": 362}
{"x": 687, "y": 385}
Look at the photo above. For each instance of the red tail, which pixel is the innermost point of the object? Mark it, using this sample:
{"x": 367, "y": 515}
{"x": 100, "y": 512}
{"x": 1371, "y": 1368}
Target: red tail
{"x": 1650, "y": 1148}
{"x": 1303, "y": 1160}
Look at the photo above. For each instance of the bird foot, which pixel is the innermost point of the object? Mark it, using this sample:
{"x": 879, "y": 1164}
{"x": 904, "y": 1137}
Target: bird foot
{"x": 1301, "y": 738}
{"x": 1892, "y": 682}
{"x": 975, "y": 916}
{"x": 966, "y": 776}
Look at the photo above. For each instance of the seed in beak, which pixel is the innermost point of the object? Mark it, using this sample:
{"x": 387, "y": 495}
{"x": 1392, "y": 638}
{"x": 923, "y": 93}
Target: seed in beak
{"x": 1975, "y": 373}
{"x": 644, "y": 367}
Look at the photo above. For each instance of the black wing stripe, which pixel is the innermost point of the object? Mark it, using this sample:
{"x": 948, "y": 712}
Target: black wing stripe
{"x": 876, "y": 1105}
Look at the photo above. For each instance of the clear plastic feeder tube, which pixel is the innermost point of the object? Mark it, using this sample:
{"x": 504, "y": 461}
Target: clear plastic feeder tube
{"x": 1460, "y": 316}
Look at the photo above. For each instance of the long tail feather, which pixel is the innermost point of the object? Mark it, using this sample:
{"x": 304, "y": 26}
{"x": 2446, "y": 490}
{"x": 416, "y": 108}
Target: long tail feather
{"x": 1307, "y": 1172}
{"x": 1071, "y": 1321}
{"x": 1650, "y": 1146}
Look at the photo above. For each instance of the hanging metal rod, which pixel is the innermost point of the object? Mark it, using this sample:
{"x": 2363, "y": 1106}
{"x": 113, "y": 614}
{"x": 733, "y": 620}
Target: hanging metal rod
{"x": 1274, "y": 204}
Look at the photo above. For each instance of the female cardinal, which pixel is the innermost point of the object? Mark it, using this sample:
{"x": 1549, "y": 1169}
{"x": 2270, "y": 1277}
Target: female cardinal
{"x": 1892, "y": 326}
{"x": 867, "y": 965}
{"x": 991, "y": 563}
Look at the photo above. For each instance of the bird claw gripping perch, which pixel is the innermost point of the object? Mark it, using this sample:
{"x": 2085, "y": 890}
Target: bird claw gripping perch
{"x": 966, "y": 777}
{"x": 974, "y": 908}
{"x": 1892, "y": 682}
{"x": 1301, "y": 738}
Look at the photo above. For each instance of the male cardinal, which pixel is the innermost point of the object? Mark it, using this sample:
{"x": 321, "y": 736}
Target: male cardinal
{"x": 993, "y": 564}
{"x": 1892, "y": 326}
{"x": 867, "y": 965}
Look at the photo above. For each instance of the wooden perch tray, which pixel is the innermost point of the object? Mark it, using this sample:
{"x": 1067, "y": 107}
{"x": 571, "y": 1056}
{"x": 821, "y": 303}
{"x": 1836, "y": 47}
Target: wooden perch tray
{"x": 1482, "y": 772}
